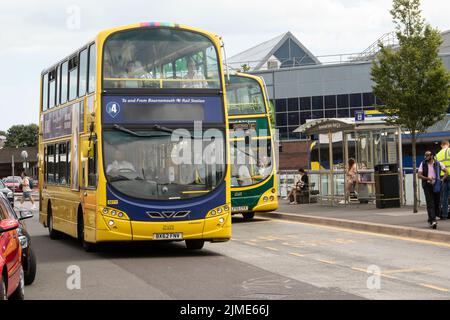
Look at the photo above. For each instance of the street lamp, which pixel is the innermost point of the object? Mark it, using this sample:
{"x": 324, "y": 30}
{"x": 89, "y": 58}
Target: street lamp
{"x": 24, "y": 155}
{"x": 2, "y": 141}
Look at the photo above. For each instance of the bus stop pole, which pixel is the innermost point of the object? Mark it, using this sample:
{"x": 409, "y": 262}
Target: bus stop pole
{"x": 345, "y": 141}
{"x": 331, "y": 177}
{"x": 400, "y": 162}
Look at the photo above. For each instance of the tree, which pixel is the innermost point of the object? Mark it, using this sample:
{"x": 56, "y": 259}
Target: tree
{"x": 245, "y": 68}
{"x": 271, "y": 108}
{"x": 411, "y": 79}
{"x": 22, "y": 136}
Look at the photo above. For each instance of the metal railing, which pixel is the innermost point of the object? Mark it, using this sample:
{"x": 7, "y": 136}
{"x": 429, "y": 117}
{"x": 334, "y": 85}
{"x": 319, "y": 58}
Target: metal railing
{"x": 335, "y": 193}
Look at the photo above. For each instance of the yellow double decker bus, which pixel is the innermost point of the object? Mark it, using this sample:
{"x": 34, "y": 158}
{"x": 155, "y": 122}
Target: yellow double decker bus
{"x": 253, "y": 167}
{"x": 134, "y": 139}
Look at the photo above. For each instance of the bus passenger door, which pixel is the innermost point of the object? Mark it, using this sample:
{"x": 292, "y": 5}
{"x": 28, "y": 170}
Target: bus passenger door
{"x": 89, "y": 177}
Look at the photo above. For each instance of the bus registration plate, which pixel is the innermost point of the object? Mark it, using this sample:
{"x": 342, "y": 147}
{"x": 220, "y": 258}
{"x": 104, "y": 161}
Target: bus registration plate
{"x": 167, "y": 236}
{"x": 239, "y": 209}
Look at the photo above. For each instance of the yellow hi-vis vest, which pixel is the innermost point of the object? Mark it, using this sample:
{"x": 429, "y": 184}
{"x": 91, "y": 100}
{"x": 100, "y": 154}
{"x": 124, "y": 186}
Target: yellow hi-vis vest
{"x": 444, "y": 157}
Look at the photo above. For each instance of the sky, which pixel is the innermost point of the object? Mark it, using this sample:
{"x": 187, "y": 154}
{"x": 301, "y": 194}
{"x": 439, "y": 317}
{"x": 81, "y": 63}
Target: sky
{"x": 36, "y": 34}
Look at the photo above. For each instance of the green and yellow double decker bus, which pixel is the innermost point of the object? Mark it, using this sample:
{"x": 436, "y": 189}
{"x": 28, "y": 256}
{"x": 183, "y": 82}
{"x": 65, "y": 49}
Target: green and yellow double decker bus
{"x": 253, "y": 169}
{"x": 133, "y": 139}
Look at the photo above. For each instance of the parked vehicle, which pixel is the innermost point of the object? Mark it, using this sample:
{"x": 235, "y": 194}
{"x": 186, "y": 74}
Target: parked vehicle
{"x": 12, "y": 279}
{"x": 14, "y": 183}
{"x": 28, "y": 256}
{"x": 7, "y": 193}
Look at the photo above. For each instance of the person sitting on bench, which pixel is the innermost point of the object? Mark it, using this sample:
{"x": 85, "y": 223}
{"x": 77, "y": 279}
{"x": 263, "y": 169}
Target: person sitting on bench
{"x": 302, "y": 185}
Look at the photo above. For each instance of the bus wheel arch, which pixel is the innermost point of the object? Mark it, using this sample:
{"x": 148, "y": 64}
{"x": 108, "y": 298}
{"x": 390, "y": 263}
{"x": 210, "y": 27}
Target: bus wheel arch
{"x": 88, "y": 247}
{"x": 54, "y": 234}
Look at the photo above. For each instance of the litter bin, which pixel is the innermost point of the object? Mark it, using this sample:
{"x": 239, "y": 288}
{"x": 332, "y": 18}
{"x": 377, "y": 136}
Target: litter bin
{"x": 387, "y": 186}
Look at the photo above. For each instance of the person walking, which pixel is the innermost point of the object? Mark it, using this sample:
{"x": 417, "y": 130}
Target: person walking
{"x": 430, "y": 173}
{"x": 26, "y": 190}
{"x": 444, "y": 157}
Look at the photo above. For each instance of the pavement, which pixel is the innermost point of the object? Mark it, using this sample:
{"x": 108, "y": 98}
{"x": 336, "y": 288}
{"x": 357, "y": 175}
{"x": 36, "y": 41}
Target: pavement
{"x": 266, "y": 259}
{"x": 366, "y": 217}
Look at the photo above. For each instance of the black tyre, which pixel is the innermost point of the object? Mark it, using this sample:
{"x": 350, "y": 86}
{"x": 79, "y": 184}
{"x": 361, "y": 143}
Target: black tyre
{"x": 19, "y": 294}
{"x": 87, "y": 246}
{"x": 195, "y": 244}
{"x": 30, "y": 272}
{"x": 248, "y": 216}
{"x": 54, "y": 235}
{"x": 3, "y": 290}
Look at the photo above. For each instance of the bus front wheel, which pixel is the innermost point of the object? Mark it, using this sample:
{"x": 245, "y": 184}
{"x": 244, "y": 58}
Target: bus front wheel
{"x": 87, "y": 246}
{"x": 248, "y": 216}
{"x": 54, "y": 235}
{"x": 195, "y": 244}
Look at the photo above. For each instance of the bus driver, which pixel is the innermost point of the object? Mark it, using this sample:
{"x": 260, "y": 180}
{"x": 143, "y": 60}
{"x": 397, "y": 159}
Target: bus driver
{"x": 119, "y": 165}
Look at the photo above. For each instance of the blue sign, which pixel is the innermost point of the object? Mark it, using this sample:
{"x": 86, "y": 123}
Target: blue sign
{"x": 113, "y": 109}
{"x": 360, "y": 116}
{"x": 163, "y": 109}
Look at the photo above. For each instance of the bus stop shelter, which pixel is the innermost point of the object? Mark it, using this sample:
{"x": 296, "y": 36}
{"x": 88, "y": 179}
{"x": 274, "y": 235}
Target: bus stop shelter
{"x": 371, "y": 142}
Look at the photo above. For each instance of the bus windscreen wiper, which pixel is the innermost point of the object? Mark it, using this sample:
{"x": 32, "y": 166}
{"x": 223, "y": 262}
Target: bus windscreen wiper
{"x": 136, "y": 134}
{"x": 123, "y": 129}
{"x": 168, "y": 130}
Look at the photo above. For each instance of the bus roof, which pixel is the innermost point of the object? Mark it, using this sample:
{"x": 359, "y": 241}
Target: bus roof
{"x": 107, "y": 32}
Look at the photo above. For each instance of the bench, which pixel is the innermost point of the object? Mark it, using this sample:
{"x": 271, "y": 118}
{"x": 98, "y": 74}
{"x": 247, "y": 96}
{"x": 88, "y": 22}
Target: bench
{"x": 306, "y": 196}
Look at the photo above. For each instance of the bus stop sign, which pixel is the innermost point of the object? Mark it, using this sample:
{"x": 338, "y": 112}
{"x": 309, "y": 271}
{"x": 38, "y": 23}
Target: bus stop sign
{"x": 360, "y": 116}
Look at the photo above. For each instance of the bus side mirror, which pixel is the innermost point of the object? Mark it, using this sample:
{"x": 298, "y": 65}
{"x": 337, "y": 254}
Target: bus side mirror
{"x": 87, "y": 150}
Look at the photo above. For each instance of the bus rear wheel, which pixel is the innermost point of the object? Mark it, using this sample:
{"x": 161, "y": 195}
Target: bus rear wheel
{"x": 248, "y": 216}
{"x": 195, "y": 244}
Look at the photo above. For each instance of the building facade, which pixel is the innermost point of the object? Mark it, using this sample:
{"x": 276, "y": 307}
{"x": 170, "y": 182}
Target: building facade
{"x": 6, "y": 163}
{"x": 303, "y": 88}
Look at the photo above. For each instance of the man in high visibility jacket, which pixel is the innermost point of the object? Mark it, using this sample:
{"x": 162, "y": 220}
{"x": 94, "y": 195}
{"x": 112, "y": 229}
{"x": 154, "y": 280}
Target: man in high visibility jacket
{"x": 444, "y": 157}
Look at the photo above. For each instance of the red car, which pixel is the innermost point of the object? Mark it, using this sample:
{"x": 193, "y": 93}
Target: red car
{"x": 13, "y": 182}
{"x": 12, "y": 281}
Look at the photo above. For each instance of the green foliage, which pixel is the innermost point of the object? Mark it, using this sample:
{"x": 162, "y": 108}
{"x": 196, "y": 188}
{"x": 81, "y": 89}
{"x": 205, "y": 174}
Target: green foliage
{"x": 412, "y": 80}
{"x": 245, "y": 68}
{"x": 21, "y": 136}
{"x": 272, "y": 113}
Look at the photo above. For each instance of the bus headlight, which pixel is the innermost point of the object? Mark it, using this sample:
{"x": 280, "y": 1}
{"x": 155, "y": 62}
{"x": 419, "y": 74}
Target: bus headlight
{"x": 272, "y": 198}
{"x": 114, "y": 213}
{"x": 265, "y": 199}
{"x": 219, "y": 211}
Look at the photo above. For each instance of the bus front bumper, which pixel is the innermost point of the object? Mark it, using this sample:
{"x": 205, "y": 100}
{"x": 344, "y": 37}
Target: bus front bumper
{"x": 214, "y": 229}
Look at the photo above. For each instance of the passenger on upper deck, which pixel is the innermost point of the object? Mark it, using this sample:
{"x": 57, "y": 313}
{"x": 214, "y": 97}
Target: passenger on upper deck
{"x": 194, "y": 75}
